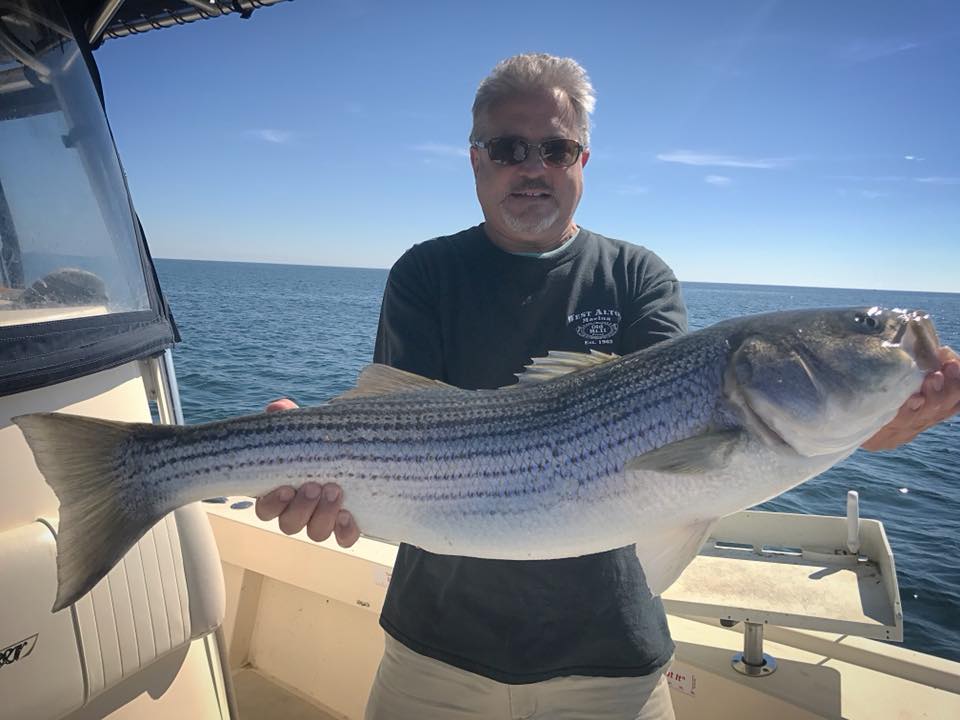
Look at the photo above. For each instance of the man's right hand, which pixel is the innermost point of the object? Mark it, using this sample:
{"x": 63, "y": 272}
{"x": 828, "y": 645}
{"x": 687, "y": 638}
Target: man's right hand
{"x": 319, "y": 508}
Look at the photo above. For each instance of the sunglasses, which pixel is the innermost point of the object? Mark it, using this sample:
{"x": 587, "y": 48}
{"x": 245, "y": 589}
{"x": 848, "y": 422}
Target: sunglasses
{"x": 558, "y": 153}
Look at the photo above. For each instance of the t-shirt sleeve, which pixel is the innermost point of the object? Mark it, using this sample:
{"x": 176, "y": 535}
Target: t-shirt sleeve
{"x": 657, "y": 312}
{"x": 409, "y": 333}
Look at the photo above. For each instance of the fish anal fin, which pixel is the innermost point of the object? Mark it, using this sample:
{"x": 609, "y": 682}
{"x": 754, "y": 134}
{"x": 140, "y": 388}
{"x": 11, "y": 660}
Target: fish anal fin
{"x": 558, "y": 363}
{"x": 698, "y": 454}
{"x": 377, "y": 379}
{"x": 664, "y": 561}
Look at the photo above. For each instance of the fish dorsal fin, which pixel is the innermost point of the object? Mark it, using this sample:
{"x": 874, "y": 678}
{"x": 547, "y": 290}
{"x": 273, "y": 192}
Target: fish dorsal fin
{"x": 560, "y": 362}
{"x": 376, "y": 379}
{"x": 698, "y": 454}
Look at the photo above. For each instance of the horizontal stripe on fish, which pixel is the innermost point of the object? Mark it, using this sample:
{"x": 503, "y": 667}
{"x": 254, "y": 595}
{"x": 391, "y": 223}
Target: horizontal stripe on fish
{"x": 625, "y": 450}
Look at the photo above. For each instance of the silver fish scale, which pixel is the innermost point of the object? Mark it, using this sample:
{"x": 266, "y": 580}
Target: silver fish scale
{"x": 458, "y": 454}
{"x": 534, "y": 472}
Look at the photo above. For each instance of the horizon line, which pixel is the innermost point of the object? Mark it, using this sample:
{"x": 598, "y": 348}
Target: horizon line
{"x": 682, "y": 282}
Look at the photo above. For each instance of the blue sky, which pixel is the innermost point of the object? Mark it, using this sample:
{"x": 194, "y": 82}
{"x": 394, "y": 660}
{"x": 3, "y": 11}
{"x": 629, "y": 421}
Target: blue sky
{"x": 811, "y": 143}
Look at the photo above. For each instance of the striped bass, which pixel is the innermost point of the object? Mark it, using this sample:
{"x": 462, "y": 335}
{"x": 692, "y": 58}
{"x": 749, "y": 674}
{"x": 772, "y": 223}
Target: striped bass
{"x": 585, "y": 453}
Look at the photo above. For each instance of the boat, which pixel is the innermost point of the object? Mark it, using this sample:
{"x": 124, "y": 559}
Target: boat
{"x": 217, "y": 615}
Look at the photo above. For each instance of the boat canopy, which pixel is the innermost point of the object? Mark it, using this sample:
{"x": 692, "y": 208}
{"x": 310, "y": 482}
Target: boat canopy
{"x": 105, "y": 19}
{"x": 78, "y": 289}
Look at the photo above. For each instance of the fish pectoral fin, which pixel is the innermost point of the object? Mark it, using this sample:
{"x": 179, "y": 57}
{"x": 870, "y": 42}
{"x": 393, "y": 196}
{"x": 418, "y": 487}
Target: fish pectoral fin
{"x": 376, "y": 379}
{"x": 701, "y": 453}
{"x": 558, "y": 363}
{"x": 664, "y": 562}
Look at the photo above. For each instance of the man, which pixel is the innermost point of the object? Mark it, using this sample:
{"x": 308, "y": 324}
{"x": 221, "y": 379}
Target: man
{"x": 578, "y": 637}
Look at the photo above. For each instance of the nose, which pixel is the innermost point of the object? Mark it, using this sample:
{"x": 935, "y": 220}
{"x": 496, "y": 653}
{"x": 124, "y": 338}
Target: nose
{"x": 533, "y": 164}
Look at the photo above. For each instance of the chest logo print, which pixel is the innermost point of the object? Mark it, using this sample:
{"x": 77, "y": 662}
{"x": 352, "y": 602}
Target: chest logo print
{"x": 596, "y": 327}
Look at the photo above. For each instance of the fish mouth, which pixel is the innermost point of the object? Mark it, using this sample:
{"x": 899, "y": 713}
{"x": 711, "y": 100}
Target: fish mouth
{"x": 918, "y": 338}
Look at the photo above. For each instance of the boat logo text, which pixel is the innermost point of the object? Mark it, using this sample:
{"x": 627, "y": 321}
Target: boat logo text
{"x": 17, "y": 651}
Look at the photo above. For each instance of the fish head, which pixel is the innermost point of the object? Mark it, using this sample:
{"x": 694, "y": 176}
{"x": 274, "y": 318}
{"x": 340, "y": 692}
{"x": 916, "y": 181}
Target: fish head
{"x": 824, "y": 381}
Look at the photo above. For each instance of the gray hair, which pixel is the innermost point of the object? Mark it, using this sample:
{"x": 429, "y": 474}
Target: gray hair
{"x": 533, "y": 72}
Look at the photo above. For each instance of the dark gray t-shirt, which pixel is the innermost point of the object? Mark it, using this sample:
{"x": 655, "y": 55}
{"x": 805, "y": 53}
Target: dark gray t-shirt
{"x": 461, "y": 310}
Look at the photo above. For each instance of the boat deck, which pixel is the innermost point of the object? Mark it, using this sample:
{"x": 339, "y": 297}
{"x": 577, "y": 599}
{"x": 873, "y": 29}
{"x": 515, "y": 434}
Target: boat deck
{"x": 262, "y": 698}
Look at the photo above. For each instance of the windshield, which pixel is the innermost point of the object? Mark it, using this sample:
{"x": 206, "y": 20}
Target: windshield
{"x": 68, "y": 243}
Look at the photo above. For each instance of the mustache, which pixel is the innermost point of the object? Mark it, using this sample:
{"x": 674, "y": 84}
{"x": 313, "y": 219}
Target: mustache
{"x": 532, "y": 186}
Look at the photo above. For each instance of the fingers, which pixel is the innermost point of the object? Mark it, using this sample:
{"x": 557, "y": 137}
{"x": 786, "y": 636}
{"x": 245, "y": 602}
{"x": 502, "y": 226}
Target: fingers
{"x": 941, "y": 391}
{"x": 281, "y": 404}
{"x": 318, "y": 508}
{"x": 938, "y": 399}
{"x": 932, "y": 388}
{"x": 324, "y": 516}
{"x": 297, "y": 515}
{"x": 951, "y": 370}
{"x": 330, "y": 517}
{"x": 948, "y": 354}
{"x": 274, "y": 502}
{"x": 346, "y": 530}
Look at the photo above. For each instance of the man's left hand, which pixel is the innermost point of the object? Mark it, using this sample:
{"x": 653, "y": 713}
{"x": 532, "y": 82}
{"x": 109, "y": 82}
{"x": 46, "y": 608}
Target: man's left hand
{"x": 938, "y": 399}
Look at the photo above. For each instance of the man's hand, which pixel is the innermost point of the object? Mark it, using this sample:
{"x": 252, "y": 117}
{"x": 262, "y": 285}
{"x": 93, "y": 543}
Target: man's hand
{"x": 938, "y": 399}
{"x": 314, "y": 506}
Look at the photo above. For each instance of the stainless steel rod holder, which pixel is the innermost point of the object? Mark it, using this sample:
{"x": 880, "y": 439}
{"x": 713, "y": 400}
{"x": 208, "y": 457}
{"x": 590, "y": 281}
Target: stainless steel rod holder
{"x": 753, "y": 661}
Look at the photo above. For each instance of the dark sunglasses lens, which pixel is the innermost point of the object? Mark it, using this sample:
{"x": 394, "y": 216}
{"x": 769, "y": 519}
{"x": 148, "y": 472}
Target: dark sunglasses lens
{"x": 508, "y": 151}
{"x": 561, "y": 153}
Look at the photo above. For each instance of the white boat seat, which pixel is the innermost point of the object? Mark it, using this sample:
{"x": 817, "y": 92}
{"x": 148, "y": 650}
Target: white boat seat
{"x": 165, "y": 592}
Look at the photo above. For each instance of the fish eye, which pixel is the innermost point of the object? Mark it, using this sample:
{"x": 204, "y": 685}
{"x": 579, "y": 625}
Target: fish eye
{"x": 868, "y": 322}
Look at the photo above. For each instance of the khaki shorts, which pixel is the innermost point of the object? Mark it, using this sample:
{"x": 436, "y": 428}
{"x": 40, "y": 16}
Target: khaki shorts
{"x": 409, "y": 686}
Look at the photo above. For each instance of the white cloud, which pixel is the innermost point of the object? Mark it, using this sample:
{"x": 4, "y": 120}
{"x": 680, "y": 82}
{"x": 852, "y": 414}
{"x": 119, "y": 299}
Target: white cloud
{"x": 431, "y": 148}
{"x": 689, "y": 157}
{"x": 867, "y": 50}
{"x": 871, "y": 178}
{"x": 914, "y": 158}
{"x": 866, "y": 194}
{"x": 929, "y": 180}
{"x": 633, "y": 190}
{"x": 270, "y": 135}
{"x": 718, "y": 180}
{"x": 938, "y": 180}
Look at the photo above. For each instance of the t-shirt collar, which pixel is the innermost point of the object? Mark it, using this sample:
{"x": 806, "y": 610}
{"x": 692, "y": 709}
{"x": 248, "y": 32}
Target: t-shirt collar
{"x": 550, "y": 253}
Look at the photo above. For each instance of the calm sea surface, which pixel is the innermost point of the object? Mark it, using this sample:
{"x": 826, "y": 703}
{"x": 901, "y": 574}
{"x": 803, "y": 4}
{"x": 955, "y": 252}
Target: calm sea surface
{"x": 253, "y": 333}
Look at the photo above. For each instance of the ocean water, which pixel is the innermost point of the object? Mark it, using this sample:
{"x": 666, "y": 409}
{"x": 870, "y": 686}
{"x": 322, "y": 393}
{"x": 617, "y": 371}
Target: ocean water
{"x": 253, "y": 333}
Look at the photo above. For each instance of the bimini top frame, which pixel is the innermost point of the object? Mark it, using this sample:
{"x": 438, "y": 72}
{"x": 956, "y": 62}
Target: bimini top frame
{"x": 105, "y": 19}
{"x": 78, "y": 289}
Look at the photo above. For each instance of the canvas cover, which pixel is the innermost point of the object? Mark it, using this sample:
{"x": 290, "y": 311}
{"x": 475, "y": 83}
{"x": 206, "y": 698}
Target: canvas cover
{"x": 78, "y": 289}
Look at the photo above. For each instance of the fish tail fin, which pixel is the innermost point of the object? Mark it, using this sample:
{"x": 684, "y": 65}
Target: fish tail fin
{"x": 101, "y": 514}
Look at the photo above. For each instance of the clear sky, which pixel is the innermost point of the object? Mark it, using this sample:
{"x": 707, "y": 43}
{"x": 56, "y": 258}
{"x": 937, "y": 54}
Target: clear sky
{"x": 795, "y": 143}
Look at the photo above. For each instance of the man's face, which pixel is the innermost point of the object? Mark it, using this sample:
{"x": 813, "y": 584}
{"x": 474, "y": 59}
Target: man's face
{"x": 529, "y": 206}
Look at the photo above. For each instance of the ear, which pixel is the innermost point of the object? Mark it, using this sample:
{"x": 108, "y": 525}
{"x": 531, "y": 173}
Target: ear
{"x": 584, "y": 156}
{"x": 475, "y": 160}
